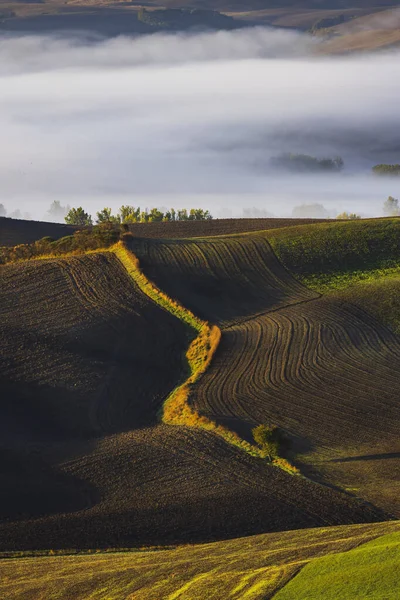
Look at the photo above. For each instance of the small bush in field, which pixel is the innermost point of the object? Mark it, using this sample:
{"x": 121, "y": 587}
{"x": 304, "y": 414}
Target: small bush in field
{"x": 269, "y": 438}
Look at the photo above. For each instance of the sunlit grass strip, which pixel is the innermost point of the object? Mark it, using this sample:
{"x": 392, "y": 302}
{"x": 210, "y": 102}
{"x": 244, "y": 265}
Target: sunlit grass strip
{"x": 331, "y": 282}
{"x": 176, "y": 408}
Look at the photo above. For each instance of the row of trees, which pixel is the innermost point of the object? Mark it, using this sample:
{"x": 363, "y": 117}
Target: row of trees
{"x": 15, "y": 214}
{"x": 132, "y": 214}
{"x": 386, "y": 170}
{"x": 307, "y": 163}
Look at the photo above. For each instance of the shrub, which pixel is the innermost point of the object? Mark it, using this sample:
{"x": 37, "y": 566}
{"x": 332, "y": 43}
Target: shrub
{"x": 269, "y": 438}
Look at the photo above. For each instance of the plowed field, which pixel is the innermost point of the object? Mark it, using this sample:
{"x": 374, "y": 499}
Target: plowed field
{"x": 87, "y": 360}
{"x": 222, "y": 279}
{"x": 83, "y": 353}
{"x": 214, "y": 227}
{"x": 77, "y": 334}
{"x": 18, "y": 231}
{"x": 322, "y": 369}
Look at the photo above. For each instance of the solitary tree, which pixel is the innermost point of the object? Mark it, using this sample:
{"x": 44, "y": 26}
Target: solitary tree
{"x": 268, "y": 438}
{"x": 77, "y": 216}
{"x": 391, "y": 207}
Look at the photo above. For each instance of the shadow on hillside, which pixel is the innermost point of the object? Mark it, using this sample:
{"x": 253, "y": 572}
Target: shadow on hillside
{"x": 384, "y": 456}
{"x": 30, "y": 487}
{"x": 35, "y": 441}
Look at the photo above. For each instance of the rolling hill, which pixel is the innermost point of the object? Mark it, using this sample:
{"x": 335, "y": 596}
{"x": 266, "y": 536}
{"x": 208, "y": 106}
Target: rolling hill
{"x": 320, "y": 368}
{"x": 19, "y": 231}
{"x": 94, "y": 346}
{"x": 249, "y": 568}
{"x": 88, "y": 359}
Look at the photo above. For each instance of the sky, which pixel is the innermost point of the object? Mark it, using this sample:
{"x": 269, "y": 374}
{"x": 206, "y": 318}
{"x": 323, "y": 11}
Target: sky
{"x": 193, "y": 120}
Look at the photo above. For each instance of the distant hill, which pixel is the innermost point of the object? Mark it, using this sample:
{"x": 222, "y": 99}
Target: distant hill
{"x": 18, "y": 231}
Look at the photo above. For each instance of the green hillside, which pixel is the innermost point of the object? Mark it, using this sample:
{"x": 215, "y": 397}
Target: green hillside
{"x": 365, "y": 573}
{"x": 251, "y": 568}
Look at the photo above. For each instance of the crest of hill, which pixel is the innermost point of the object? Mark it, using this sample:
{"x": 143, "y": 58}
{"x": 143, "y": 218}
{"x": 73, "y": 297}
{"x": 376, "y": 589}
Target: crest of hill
{"x": 223, "y": 279}
{"x": 17, "y": 231}
{"x": 338, "y": 246}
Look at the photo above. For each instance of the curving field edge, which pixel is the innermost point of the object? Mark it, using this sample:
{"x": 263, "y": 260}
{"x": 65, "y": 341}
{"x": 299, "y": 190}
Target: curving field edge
{"x": 176, "y": 408}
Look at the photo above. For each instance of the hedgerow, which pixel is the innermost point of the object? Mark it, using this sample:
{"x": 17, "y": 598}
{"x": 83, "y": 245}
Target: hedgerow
{"x": 94, "y": 238}
{"x": 176, "y": 409}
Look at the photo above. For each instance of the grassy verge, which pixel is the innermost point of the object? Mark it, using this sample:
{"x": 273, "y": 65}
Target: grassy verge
{"x": 176, "y": 409}
{"x": 80, "y": 242}
{"x": 368, "y": 572}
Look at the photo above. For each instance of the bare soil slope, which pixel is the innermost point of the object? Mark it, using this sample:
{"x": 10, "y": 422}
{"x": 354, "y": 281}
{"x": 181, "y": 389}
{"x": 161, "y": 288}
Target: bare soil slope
{"x": 322, "y": 369}
{"x": 18, "y": 231}
{"x": 87, "y": 360}
{"x": 223, "y": 279}
{"x": 83, "y": 354}
{"x": 213, "y": 227}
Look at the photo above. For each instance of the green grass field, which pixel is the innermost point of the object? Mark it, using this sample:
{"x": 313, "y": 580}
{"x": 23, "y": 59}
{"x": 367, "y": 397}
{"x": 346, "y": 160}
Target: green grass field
{"x": 366, "y": 573}
{"x": 338, "y": 247}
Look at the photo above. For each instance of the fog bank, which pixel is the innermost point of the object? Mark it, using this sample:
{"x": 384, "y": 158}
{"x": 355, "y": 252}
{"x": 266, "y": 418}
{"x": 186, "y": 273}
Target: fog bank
{"x": 193, "y": 120}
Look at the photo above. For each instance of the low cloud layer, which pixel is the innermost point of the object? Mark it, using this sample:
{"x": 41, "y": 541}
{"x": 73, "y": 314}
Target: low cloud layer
{"x": 189, "y": 120}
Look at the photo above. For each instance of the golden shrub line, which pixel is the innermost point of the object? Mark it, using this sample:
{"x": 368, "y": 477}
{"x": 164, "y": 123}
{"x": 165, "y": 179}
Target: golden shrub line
{"x": 176, "y": 409}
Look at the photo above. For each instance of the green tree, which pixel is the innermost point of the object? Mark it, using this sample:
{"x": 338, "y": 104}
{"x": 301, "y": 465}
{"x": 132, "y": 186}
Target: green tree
{"x": 391, "y": 207}
{"x": 129, "y": 214}
{"x": 182, "y": 215}
{"x": 106, "y": 216}
{"x": 170, "y": 215}
{"x": 348, "y": 216}
{"x": 268, "y": 438}
{"x": 198, "y": 214}
{"x": 77, "y": 216}
{"x": 155, "y": 215}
